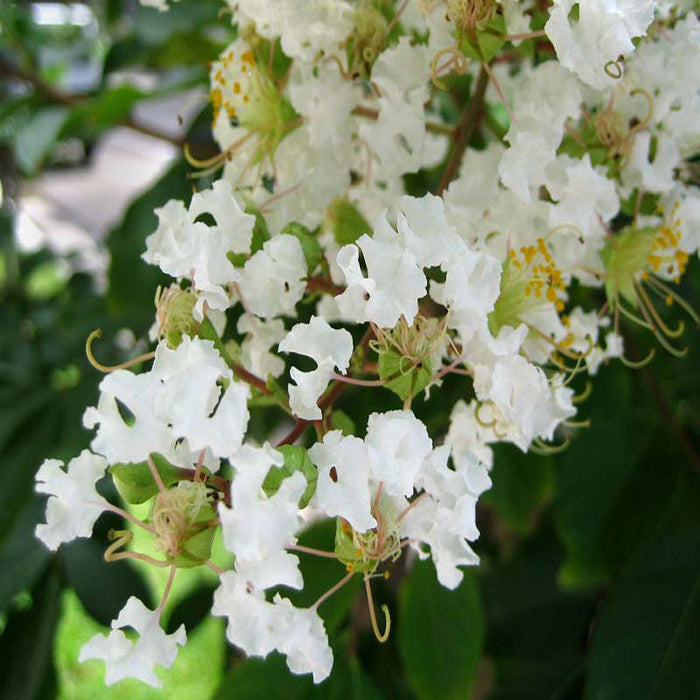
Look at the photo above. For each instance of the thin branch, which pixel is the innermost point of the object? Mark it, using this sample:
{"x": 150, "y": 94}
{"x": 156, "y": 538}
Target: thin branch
{"x": 465, "y": 130}
{"x": 58, "y": 96}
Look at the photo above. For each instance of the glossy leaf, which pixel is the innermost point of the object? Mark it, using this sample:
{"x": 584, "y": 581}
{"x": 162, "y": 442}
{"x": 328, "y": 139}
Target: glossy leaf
{"x": 440, "y": 634}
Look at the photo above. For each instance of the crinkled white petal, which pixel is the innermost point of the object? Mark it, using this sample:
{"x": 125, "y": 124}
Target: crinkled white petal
{"x": 74, "y": 504}
{"x": 343, "y": 487}
{"x": 272, "y": 281}
{"x": 398, "y": 444}
{"x": 126, "y": 659}
{"x": 330, "y": 348}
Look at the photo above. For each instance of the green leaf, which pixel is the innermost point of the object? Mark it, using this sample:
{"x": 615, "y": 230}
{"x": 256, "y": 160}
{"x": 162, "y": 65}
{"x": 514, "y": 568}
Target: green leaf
{"x": 135, "y": 482}
{"x": 346, "y": 222}
{"x": 440, "y": 634}
{"x": 103, "y": 588}
{"x": 26, "y": 659}
{"x": 342, "y": 421}
{"x": 36, "y": 138}
{"x": 131, "y": 281}
{"x": 535, "y": 627}
{"x": 193, "y": 609}
{"x": 23, "y": 557}
{"x": 402, "y": 377}
{"x": 296, "y": 459}
{"x": 261, "y": 232}
{"x": 645, "y": 644}
{"x": 254, "y": 679}
{"x": 309, "y": 244}
{"x": 104, "y": 111}
{"x": 609, "y": 496}
{"x": 521, "y": 485}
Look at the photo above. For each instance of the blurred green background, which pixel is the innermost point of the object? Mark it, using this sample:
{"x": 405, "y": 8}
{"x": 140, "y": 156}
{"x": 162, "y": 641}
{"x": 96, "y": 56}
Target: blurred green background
{"x": 590, "y": 578}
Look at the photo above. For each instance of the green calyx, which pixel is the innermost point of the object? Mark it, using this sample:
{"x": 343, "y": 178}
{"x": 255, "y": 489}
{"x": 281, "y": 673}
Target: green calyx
{"x": 405, "y": 354}
{"x": 268, "y": 115}
{"x": 363, "y": 552}
{"x": 367, "y": 40}
{"x": 182, "y": 518}
{"x": 626, "y": 257}
{"x": 175, "y": 318}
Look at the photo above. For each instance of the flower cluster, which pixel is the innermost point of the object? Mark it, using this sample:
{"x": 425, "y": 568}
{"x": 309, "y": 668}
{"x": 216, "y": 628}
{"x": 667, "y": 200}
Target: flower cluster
{"x": 312, "y": 266}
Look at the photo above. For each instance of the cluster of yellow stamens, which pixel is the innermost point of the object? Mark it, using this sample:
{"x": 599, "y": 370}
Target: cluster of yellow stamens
{"x": 231, "y": 79}
{"x": 665, "y": 255}
{"x": 542, "y": 276}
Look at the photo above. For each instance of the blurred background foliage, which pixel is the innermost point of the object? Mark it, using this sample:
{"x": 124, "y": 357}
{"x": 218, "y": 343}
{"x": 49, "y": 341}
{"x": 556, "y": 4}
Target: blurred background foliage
{"x": 590, "y": 578}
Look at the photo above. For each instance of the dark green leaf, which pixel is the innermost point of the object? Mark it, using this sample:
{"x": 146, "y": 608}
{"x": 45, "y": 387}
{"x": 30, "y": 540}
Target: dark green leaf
{"x": 537, "y": 630}
{"x": 103, "y": 588}
{"x": 26, "y": 659}
{"x": 440, "y": 634}
{"x": 194, "y": 608}
{"x": 254, "y": 679}
{"x": 23, "y": 557}
{"x": 521, "y": 485}
{"x": 131, "y": 280}
{"x": 309, "y": 244}
{"x": 609, "y": 496}
{"x": 346, "y": 221}
{"x": 296, "y": 459}
{"x": 36, "y": 138}
{"x": 646, "y": 643}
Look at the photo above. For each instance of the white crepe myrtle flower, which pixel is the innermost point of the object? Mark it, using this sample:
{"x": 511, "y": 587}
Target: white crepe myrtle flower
{"x": 256, "y": 527}
{"x": 329, "y": 348}
{"x": 182, "y": 246}
{"x": 343, "y": 486}
{"x": 272, "y": 281}
{"x": 523, "y": 403}
{"x": 445, "y": 517}
{"x": 584, "y": 197}
{"x": 398, "y": 444}
{"x": 260, "y": 336}
{"x": 134, "y": 439}
{"x": 179, "y": 398}
{"x": 466, "y": 435}
{"x": 305, "y": 29}
{"x": 471, "y": 288}
{"x": 428, "y": 236}
{"x": 199, "y": 409}
{"x": 394, "y": 281}
{"x": 259, "y": 627}
{"x": 126, "y": 659}
{"x": 604, "y": 30}
{"x": 74, "y": 505}
{"x": 544, "y": 100}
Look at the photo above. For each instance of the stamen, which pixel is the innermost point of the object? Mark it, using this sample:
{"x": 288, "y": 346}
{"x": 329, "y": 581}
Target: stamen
{"x": 542, "y": 448}
{"x": 97, "y": 333}
{"x": 372, "y": 615}
{"x": 580, "y": 398}
{"x": 614, "y": 68}
{"x": 638, "y": 364}
{"x": 456, "y": 57}
{"x": 644, "y": 298}
{"x": 665, "y": 289}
